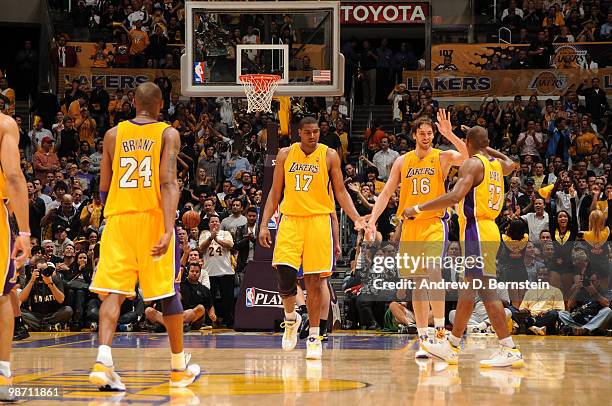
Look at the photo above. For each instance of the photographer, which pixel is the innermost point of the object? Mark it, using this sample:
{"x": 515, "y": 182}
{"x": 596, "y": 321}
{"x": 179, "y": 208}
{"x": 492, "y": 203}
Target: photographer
{"x": 43, "y": 298}
{"x": 589, "y": 310}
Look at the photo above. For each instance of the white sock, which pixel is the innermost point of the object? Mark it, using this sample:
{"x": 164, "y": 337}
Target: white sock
{"x": 104, "y": 355}
{"x": 313, "y": 331}
{"x": 455, "y": 341}
{"x": 507, "y": 342}
{"x": 439, "y": 323}
{"x": 177, "y": 361}
{"x": 422, "y": 331}
{"x": 291, "y": 316}
{"x": 5, "y": 368}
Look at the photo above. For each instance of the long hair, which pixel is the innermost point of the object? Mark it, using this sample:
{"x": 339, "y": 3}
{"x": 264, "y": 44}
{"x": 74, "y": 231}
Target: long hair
{"x": 516, "y": 229}
{"x": 597, "y": 222}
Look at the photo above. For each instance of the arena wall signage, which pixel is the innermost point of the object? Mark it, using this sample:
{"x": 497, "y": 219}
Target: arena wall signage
{"x": 544, "y": 82}
{"x": 384, "y": 13}
{"x": 474, "y": 57}
{"x": 116, "y": 78}
{"x": 86, "y": 50}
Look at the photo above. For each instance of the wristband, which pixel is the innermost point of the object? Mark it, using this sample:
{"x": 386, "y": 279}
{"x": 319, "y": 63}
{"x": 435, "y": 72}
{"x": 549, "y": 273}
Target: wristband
{"x": 417, "y": 210}
{"x": 24, "y": 234}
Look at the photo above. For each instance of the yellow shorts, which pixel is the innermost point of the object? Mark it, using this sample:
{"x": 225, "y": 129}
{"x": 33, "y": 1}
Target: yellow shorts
{"x": 125, "y": 258}
{"x": 305, "y": 241}
{"x": 480, "y": 240}
{"x": 425, "y": 238}
{"x": 8, "y": 275}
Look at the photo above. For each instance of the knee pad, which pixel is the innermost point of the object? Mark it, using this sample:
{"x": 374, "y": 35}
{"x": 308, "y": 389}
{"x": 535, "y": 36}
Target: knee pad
{"x": 287, "y": 281}
{"x": 171, "y": 306}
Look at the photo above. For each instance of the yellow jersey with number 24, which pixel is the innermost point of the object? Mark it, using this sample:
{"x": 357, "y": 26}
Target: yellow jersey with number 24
{"x": 135, "y": 186}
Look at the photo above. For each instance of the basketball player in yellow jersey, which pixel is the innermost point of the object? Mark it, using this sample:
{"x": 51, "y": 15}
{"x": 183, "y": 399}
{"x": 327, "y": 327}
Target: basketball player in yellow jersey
{"x": 304, "y": 176}
{"x": 138, "y": 184}
{"x": 13, "y": 199}
{"x": 480, "y": 194}
{"x": 421, "y": 175}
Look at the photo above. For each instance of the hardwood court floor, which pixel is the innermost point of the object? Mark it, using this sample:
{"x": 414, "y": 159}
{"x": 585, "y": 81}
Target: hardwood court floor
{"x": 357, "y": 368}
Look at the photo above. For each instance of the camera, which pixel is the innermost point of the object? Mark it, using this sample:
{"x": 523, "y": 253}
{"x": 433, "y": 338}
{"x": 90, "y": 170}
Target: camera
{"x": 48, "y": 271}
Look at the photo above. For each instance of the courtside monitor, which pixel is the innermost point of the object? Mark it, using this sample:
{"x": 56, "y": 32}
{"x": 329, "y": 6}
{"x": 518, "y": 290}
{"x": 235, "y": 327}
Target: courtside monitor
{"x": 298, "y": 41}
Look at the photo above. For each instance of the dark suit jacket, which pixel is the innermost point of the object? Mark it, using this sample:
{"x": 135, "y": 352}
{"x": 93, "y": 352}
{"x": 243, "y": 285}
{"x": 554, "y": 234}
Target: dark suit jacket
{"x": 71, "y": 56}
{"x": 242, "y": 244}
{"x": 596, "y": 103}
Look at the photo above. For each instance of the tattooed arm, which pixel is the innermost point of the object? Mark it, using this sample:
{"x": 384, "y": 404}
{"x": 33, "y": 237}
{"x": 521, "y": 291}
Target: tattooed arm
{"x": 169, "y": 187}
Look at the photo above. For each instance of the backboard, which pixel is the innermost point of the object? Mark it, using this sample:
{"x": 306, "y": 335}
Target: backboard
{"x": 297, "y": 40}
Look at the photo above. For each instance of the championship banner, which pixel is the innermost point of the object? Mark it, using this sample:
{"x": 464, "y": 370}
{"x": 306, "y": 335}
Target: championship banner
{"x": 474, "y": 57}
{"x": 543, "y": 82}
{"x": 116, "y": 78}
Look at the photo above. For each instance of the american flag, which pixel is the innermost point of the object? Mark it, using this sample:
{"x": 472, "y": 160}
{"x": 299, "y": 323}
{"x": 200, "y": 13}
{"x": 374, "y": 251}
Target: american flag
{"x": 321, "y": 75}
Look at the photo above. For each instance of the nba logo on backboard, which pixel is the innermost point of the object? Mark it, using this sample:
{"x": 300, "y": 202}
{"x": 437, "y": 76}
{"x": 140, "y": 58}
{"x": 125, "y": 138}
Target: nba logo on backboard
{"x": 199, "y": 70}
{"x": 250, "y": 297}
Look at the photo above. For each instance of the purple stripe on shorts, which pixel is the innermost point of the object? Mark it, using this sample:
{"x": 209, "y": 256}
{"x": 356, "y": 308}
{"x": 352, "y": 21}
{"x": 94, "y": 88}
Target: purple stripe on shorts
{"x": 472, "y": 244}
{"x": 10, "y": 275}
{"x": 177, "y": 261}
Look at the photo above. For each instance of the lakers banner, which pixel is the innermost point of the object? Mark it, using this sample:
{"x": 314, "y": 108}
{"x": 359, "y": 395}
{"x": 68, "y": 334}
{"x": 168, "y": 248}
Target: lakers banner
{"x": 115, "y": 78}
{"x": 476, "y": 57}
{"x": 548, "y": 82}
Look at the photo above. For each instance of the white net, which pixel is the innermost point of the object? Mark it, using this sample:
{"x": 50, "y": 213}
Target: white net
{"x": 259, "y": 90}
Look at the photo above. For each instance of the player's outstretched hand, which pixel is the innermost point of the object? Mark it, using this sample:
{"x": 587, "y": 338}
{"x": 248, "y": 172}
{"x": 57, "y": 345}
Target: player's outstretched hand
{"x": 21, "y": 247}
{"x": 162, "y": 245}
{"x": 444, "y": 123}
{"x": 265, "y": 240}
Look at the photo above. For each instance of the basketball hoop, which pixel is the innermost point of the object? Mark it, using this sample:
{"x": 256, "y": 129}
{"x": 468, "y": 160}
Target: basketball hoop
{"x": 259, "y": 90}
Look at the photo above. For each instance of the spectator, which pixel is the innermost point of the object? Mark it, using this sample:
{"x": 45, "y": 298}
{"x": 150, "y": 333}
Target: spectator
{"x": 536, "y": 221}
{"x": 196, "y": 299}
{"x": 543, "y": 306}
{"x": 158, "y": 47}
{"x": 384, "y": 158}
{"x": 38, "y": 133}
{"x": 588, "y": 309}
{"x": 76, "y": 275}
{"x": 26, "y": 68}
{"x": 99, "y": 101}
{"x": 216, "y": 244}
{"x": 43, "y": 298}
{"x": 521, "y": 62}
{"x": 595, "y": 98}
{"x": 368, "y": 63}
{"x": 329, "y": 137}
{"x": 236, "y": 164}
{"x": 512, "y": 9}
{"x": 605, "y": 32}
{"x": 246, "y": 235}
{"x": 139, "y": 41}
{"x": 8, "y": 96}
{"x": 45, "y": 160}
{"x": 383, "y": 67}
{"x": 540, "y": 51}
{"x": 86, "y": 126}
{"x": 231, "y": 223}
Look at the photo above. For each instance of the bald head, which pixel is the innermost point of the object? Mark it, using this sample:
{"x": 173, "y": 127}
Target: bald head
{"x": 148, "y": 97}
{"x": 477, "y": 138}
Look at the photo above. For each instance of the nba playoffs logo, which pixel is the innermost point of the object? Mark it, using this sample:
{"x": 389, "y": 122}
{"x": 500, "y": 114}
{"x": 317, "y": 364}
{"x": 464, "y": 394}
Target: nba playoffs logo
{"x": 199, "y": 73}
{"x": 256, "y": 297}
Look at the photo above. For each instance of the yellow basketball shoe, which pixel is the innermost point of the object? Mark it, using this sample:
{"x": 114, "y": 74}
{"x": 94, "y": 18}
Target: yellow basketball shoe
{"x": 184, "y": 378}
{"x": 5, "y": 393}
{"x": 443, "y": 350}
{"x": 105, "y": 378}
